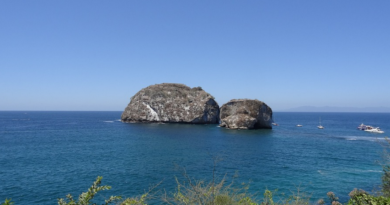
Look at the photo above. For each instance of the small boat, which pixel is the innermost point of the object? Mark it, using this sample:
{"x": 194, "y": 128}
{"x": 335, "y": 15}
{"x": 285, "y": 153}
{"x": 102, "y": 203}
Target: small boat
{"x": 320, "y": 126}
{"x": 375, "y": 130}
{"x": 364, "y": 127}
{"x": 275, "y": 124}
{"x": 298, "y": 125}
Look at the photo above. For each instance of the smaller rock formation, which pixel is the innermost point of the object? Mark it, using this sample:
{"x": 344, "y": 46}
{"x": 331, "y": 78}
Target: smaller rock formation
{"x": 246, "y": 114}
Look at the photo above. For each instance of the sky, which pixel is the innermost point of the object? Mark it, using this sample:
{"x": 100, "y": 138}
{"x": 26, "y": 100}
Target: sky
{"x": 95, "y": 55}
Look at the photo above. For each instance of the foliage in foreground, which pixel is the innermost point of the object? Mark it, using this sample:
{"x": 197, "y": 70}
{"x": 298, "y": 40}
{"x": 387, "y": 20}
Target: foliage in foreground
{"x": 191, "y": 192}
{"x": 7, "y": 202}
{"x": 85, "y": 198}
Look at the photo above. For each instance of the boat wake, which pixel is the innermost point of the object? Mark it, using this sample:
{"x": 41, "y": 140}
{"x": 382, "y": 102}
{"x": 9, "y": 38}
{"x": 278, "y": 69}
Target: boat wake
{"x": 377, "y": 171}
{"x": 355, "y": 171}
{"x": 109, "y": 121}
{"x": 360, "y": 138}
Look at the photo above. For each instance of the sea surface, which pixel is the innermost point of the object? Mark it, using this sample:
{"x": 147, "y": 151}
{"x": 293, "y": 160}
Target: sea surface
{"x": 47, "y": 155}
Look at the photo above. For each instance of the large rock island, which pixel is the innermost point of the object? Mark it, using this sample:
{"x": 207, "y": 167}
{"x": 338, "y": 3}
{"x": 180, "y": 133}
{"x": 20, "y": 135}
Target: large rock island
{"x": 173, "y": 103}
{"x": 246, "y": 114}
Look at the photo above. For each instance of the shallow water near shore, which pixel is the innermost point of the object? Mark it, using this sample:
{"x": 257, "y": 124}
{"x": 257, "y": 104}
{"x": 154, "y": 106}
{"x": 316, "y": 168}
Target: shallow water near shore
{"x": 46, "y": 155}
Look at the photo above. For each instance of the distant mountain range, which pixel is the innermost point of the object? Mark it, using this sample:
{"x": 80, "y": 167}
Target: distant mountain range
{"x": 337, "y": 109}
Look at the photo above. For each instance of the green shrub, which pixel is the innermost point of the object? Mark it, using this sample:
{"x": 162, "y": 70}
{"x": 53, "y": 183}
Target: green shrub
{"x": 191, "y": 192}
{"x": 86, "y": 197}
{"x": 360, "y": 197}
{"x": 135, "y": 201}
{"x": 7, "y": 202}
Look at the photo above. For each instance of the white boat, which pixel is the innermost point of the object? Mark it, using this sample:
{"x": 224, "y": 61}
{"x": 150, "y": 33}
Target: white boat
{"x": 375, "y": 130}
{"x": 298, "y": 125}
{"x": 364, "y": 127}
{"x": 320, "y": 126}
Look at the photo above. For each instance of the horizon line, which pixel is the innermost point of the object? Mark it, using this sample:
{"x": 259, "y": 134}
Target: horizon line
{"x": 122, "y": 111}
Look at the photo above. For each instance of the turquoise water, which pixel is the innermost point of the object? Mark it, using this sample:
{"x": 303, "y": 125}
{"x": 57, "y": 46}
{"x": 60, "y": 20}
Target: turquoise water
{"x": 46, "y": 155}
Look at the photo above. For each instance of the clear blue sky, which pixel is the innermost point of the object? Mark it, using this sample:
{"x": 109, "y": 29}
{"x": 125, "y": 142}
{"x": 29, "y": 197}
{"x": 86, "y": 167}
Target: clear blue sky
{"x": 95, "y": 55}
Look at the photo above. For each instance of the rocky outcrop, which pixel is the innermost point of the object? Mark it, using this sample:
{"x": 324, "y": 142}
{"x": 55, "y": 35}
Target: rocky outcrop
{"x": 173, "y": 103}
{"x": 246, "y": 114}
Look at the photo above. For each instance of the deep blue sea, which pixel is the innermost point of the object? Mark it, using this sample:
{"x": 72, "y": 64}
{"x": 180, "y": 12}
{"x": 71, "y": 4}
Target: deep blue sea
{"x": 47, "y": 155}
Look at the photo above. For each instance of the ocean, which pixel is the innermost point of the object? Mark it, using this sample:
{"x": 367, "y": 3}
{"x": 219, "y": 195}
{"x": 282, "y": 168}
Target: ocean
{"x": 47, "y": 155}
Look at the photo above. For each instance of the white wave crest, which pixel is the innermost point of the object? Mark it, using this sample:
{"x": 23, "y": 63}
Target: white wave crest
{"x": 361, "y": 138}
